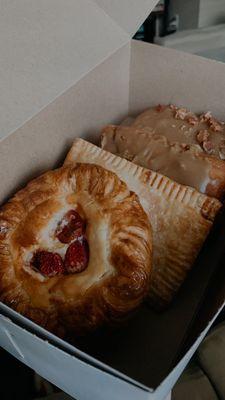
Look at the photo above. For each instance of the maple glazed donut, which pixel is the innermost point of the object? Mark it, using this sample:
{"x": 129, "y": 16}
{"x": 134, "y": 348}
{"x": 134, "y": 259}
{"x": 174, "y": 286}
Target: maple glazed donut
{"x": 75, "y": 249}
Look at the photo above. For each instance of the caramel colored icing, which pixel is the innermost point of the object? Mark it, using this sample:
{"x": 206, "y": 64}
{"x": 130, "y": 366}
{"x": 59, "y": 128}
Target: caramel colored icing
{"x": 182, "y": 163}
{"x": 182, "y": 126}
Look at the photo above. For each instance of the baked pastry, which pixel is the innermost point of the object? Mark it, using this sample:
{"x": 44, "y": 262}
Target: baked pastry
{"x": 127, "y": 121}
{"x": 180, "y": 125}
{"x": 75, "y": 249}
{"x": 186, "y": 164}
{"x": 180, "y": 216}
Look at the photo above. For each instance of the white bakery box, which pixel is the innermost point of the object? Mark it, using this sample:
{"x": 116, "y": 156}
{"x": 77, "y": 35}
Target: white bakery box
{"x": 68, "y": 67}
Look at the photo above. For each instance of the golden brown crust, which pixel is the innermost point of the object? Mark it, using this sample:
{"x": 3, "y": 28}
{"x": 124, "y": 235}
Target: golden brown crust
{"x": 117, "y": 275}
{"x": 181, "y": 217}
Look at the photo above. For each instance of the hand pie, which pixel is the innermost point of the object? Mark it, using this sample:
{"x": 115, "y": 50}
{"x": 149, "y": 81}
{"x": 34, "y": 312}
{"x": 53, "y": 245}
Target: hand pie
{"x": 186, "y": 164}
{"x": 127, "y": 121}
{"x": 180, "y": 125}
{"x": 180, "y": 216}
{"x": 75, "y": 249}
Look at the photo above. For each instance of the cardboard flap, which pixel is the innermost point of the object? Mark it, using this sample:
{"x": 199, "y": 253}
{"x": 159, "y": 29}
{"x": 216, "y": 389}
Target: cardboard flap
{"x": 128, "y": 14}
{"x": 46, "y": 46}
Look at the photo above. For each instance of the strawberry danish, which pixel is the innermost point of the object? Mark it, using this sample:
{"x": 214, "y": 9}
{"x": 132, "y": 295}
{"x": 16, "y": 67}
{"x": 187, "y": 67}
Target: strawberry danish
{"x": 75, "y": 250}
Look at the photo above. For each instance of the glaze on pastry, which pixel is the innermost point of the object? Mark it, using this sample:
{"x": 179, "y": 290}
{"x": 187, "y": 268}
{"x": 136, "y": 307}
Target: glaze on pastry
{"x": 181, "y": 217}
{"x": 186, "y": 164}
{"x": 75, "y": 249}
{"x": 180, "y": 125}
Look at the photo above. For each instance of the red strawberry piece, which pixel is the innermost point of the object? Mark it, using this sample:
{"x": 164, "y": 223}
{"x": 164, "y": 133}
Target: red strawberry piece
{"x": 49, "y": 264}
{"x": 160, "y": 108}
{"x": 77, "y": 256}
{"x": 71, "y": 227}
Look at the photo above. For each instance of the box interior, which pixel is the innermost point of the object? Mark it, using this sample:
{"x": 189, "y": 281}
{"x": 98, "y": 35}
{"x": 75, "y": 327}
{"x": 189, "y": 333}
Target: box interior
{"x": 158, "y": 341}
{"x": 42, "y": 142}
{"x": 167, "y": 76}
{"x": 136, "y": 76}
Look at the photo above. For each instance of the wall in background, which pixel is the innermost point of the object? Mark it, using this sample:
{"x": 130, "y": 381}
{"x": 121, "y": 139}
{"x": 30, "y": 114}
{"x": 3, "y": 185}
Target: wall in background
{"x": 198, "y": 13}
{"x": 211, "y": 12}
{"x": 188, "y": 11}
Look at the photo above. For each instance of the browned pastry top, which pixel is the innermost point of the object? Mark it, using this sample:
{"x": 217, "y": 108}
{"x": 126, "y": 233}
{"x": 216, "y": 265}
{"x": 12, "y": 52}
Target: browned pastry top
{"x": 180, "y": 125}
{"x": 185, "y": 163}
{"x": 181, "y": 217}
{"x": 75, "y": 249}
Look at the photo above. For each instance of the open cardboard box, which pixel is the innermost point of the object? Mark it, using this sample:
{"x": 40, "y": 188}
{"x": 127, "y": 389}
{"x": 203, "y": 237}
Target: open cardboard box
{"x": 67, "y": 68}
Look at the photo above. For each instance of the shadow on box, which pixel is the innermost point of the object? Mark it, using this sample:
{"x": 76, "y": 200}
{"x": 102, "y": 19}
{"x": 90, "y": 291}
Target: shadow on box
{"x": 35, "y": 172}
{"x": 150, "y": 344}
{"x": 17, "y": 380}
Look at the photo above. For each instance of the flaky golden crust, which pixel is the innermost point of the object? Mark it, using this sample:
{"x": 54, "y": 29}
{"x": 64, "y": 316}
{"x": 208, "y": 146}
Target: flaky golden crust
{"x": 181, "y": 217}
{"x": 119, "y": 236}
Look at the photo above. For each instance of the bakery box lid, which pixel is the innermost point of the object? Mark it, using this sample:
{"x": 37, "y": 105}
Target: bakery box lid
{"x": 46, "y": 46}
{"x": 128, "y": 14}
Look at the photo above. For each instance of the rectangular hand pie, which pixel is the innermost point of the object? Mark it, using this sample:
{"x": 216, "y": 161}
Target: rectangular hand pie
{"x": 186, "y": 164}
{"x": 180, "y": 216}
{"x": 180, "y": 125}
